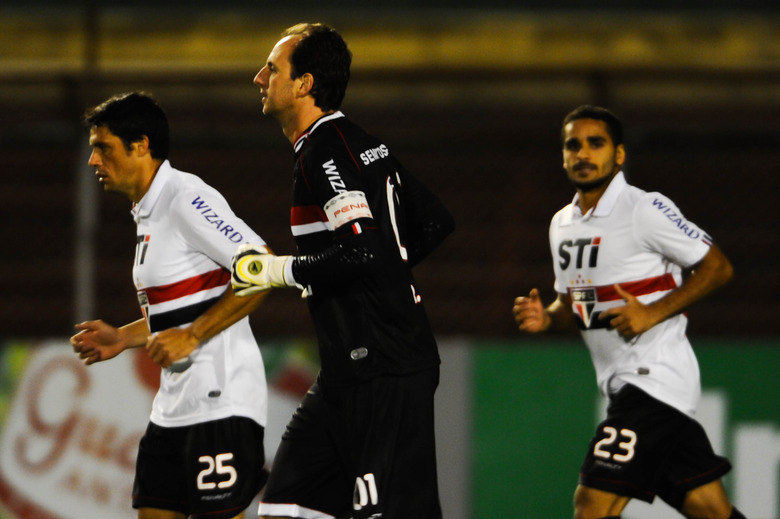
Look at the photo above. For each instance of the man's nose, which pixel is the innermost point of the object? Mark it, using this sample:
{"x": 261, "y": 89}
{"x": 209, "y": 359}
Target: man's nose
{"x": 94, "y": 160}
{"x": 259, "y": 78}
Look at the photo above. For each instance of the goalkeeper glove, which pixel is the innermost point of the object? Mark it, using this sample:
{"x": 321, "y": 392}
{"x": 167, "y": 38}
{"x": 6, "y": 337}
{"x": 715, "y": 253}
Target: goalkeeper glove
{"x": 255, "y": 270}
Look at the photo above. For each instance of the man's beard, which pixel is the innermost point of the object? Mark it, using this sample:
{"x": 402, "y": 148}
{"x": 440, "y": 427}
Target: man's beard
{"x": 592, "y": 185}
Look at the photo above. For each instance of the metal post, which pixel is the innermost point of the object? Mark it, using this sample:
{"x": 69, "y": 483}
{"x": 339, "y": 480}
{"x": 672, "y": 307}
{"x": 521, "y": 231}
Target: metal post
{"x": 87, "y": 201}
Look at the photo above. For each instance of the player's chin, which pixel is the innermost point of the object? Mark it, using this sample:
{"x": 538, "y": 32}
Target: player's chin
{"x": 268, "y": 109}
{"x": 111, "y": 188}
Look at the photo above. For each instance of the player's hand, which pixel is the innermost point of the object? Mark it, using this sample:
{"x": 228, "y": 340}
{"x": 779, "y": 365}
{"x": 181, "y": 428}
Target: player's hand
{"x": 256, "y": 270}
{"x": 248, "y": 273}
{"x": 97, "y": 341}
{"x": 168, "y": 346}
{"x": 530, "y": 314}
{"x": 630, "y": 319}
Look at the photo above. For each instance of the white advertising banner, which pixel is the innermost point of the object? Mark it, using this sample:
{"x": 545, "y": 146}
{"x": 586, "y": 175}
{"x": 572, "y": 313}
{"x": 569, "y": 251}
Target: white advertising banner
{"x": 69, "y": 433}
{"x": 69, "y": 441}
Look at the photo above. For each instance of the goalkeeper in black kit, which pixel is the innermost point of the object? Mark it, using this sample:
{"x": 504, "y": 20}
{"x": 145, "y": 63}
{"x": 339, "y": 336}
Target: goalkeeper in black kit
{"x": 362, "y": 442}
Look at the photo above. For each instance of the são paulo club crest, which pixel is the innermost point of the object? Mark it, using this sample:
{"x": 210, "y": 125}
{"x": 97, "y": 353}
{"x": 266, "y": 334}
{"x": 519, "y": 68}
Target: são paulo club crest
{"x": 583, "y": 300}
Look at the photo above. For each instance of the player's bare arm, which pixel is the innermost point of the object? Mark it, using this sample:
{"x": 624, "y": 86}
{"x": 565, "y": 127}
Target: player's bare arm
{"x": 634, "y": 318}
{"x": 168, "y": 346}
{"x": 532, "y": 317}
{"x": 97, "y": 340}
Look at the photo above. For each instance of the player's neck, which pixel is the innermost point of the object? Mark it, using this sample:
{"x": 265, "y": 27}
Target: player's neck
{"x": 145, "y": 181}
{"x": 301, "y": 121}
{"x": 588, "y": 200}
{"x": 590, "y": 194}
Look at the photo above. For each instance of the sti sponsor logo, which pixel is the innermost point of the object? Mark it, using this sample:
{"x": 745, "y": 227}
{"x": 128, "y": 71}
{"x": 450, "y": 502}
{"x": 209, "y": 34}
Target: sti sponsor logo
{"x": 578, "y": 247}
{"x": 213, "y": 218}
{"x": 373, "y": 154}
{"x": 676, "y": 219}
{"x": 334, "y": 177}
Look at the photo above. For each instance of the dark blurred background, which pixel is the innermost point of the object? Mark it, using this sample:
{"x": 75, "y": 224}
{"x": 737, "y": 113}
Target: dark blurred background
{"x": 469, "y": 95}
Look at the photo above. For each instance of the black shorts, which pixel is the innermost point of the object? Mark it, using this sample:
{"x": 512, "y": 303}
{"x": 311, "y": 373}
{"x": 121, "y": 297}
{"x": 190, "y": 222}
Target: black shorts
{"x": 359, "y": 451}
{"x": 211, "y": 469}
{"x": 646, "y": 448}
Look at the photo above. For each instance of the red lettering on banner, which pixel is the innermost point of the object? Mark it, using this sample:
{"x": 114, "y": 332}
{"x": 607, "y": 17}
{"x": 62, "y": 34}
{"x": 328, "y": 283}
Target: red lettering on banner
{"x": 58, "y": 433}
{"x": 99, "y": 440}
{"x": 97, "y": 490}
{"x": 103, "y": 442}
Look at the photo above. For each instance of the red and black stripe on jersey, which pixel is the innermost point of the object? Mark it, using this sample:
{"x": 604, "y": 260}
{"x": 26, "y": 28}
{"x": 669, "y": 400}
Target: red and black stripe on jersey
{"x": 363, "y": 301}
{"x": 587, "y": 319}
{"x": 184, "y": 290}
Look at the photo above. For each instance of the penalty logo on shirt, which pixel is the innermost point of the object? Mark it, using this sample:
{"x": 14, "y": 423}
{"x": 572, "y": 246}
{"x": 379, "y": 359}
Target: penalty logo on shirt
{"x": 583, "y": 300}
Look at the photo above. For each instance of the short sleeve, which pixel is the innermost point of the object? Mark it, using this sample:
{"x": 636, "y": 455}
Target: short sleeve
{"x": 207, "y": 222}
{"x": 661, "y": 227}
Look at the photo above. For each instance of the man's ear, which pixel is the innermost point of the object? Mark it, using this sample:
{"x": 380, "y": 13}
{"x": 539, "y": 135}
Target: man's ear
{"x": 142, "y": 145}
{"x": 620, "y": 155}
{"x": 306, "y": 84}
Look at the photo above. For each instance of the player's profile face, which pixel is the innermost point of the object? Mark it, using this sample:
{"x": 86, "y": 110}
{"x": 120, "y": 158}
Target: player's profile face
{"x": 115, "y": 166}
{"x": 274, "y": 79}
{"x": 590, "y": 158}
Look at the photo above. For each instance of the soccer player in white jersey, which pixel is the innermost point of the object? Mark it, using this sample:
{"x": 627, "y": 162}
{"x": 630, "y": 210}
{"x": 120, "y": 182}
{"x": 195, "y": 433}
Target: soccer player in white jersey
{"x": 627, "y": 264}
{"x": 202, "y": 453}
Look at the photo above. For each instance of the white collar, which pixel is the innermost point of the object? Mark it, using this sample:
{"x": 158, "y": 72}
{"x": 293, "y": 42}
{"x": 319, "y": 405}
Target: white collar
{"x": 605, "y": 204}
{"x": 144, "y": 208}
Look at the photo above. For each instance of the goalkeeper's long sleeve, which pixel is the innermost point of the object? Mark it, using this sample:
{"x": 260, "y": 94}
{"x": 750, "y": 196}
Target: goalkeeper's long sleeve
{"x": 428, "y": 220}
{"x": 430, "y": 234}
{"x": 350, "y": 257}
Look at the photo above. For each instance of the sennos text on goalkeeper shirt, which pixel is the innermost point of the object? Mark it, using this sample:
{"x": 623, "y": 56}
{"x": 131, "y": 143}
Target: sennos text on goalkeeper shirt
{"x": 373, "y": 154}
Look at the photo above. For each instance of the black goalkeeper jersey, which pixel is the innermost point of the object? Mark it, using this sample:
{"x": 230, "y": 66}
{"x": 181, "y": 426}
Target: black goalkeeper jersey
{"x": 355, "y": 261}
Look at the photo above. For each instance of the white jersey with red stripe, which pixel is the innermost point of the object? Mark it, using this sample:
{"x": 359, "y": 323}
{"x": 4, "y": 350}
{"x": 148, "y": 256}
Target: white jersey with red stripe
{"x": 641, "y": 241}
{"x": 187, "y": 235}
